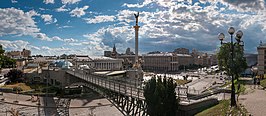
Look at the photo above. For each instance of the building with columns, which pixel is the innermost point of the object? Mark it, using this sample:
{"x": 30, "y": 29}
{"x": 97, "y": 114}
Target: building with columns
{"x": 106, "y": 64}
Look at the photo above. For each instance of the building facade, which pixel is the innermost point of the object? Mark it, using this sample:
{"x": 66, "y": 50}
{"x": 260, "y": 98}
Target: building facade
{"x": 261, "y": 59}
{"x": 19, "y": 54}
{"x": 106, "y": 64}
{"x": 165, "y": 62}
{"x": 181, "y": 51}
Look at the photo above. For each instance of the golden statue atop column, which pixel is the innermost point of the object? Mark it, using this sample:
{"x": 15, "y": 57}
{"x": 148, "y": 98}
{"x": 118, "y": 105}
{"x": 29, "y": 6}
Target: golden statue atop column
{"x": 137, "y": 63}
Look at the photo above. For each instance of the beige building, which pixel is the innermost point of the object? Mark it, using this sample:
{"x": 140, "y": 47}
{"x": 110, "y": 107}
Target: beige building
{"x": 261, "y": 59}
{"x": 106, "y": 63}
{"x": 14, "y": 54}
{"x": 26, "y": 53}
{"x": 204, "y": 59}
{"x": 165, "y": 62}
{"x": 19, "y": 54}
{"x": 81, "y": 60}
{"x": 181, "y": 51}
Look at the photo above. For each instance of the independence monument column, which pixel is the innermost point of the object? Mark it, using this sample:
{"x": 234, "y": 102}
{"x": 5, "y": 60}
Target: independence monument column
{"x": 136, "y": 65}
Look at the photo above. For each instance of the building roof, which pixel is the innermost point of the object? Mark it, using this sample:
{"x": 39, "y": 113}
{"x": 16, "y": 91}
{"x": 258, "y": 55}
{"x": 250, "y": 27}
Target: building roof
{"x": 166, "y": 54}
{"x": 103, "y": 58}
{"x": 159, "y": 54}
{"x": 262, "y": 45}
{"x": 110, "y": 73}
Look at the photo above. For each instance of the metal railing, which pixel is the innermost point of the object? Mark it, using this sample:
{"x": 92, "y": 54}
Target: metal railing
{"x": 119, "y": 86}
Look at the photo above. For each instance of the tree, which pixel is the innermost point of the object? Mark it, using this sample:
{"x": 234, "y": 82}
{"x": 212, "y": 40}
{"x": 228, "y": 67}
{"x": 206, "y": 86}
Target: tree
{"x": 15, "y": 75}
{"x": 1, "y": 56}
{"x": 2, "y": 51}
{"x": 160, "y": 97}
{"x": 4, "y": 60}
{"x": 233, "y": 66}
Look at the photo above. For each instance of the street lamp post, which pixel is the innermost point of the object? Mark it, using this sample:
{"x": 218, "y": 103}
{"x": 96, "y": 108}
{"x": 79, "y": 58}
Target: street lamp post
{"x": 238, "y": 37}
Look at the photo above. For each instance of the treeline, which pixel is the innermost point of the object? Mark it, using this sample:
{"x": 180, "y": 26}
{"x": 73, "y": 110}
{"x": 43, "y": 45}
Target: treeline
{"x": 6, "y": 62}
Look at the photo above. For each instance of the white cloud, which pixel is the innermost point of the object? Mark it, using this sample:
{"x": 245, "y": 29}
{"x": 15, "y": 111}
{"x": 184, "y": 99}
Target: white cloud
{"x": 78, "y": 12}
{"x": 145, "y": 3}
{"x": 66, "y": 26}
{"x": 48, "y": 1}
{"x": 14, "y": 1}
{"x": 17, "y": 22}
{"x": 19, "y": 45}
{"x": 70, "y": 1}
{"x": 181, "y": 23}
{"x": 100, "y": 19}
{"x": 62, "y": 9}
{"x": 42, "y": 36}
{"x": 14, "y": 45}
{"x": 48, "y": 19}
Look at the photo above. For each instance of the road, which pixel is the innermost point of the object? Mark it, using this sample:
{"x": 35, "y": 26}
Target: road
{"x": 56, "y": 106}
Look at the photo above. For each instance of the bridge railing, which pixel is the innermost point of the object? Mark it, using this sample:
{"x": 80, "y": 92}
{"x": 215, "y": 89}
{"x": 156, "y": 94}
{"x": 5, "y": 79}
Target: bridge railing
{"x": 122, "y": 87}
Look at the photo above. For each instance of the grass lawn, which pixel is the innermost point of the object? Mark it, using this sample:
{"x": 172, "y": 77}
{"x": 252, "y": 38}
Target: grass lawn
{"x": 23, "y": 86}
{"x": 39, "y": 88}
{"x": 223, "y": 109}
{"x": 182, "y": 82}
{"x": 263, "y": 83}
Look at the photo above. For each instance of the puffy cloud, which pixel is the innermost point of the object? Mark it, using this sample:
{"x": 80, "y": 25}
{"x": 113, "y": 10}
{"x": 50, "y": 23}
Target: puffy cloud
{"x": 62, "y": 9}
{"x": 182, "y": 24}
{"x": 78, "y": 12}
{"x": 17, "y": 22}
{"x": 48, "y": 19}
{"x": 14, "y": 1}
{"x": 19, "y": 45}
{"x": 14, "y": 45}
{"x": 105, "y": 38}
{"x": 70, "y": 1}
{"x": 48, "y": 1}
{"x": 145, "y": 3}
{"x": 100, "y": 19}
{"x": 66, "y": 26}
{"x": 42, "y": 36}
{"x": 247, "y": 5}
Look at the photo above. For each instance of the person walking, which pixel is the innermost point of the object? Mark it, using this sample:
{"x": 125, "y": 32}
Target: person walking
{"x": 254, "y": 82}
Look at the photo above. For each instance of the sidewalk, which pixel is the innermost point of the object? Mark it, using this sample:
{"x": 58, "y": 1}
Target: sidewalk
{"x": 53, "y": 105}
{"x": 254, "y": 101}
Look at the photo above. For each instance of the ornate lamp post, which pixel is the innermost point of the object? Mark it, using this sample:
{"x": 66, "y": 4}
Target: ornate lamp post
{"x": 238, "y": 37}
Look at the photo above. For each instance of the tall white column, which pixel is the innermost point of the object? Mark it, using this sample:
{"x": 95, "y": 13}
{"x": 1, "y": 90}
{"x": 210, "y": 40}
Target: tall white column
{"x": 136, "y": 43}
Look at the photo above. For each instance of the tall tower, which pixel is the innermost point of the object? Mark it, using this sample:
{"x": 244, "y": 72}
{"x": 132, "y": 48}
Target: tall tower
{"x": 136, "y": 41}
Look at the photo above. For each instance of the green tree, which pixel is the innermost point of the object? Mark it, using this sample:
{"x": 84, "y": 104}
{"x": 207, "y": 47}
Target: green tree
{"x": 160, "y": 97}
{"x": 4, "y": 60}
{"x": 225, "y": 62}
{"x": 2, "y": 51}
{"x": 1, "y": 56}
{"x": 15, "y": 75}
{"x": 233, "y": 63}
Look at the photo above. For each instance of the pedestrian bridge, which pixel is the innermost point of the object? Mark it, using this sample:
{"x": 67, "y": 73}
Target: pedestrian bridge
{"x": 126, "y": 95}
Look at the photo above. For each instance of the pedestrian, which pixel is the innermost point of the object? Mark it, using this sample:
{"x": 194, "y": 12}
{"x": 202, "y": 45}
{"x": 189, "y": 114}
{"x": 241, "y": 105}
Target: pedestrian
{"x": 32, "y": 98}
{"x": 254, "y": 82}
{"x": 238, "y": 91}
{"x": 258, "y": 83}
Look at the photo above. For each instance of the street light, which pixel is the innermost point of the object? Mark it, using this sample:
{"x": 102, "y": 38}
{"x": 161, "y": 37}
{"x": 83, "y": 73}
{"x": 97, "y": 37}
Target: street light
{"x": 238, "y": 37}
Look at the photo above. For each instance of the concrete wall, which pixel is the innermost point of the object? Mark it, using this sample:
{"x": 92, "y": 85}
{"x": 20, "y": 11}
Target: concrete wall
{"x": 55, "y": 76}
{"x": 192, "y": 109}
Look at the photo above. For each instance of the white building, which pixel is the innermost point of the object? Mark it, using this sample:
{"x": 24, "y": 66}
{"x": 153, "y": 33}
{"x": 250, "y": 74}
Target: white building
{"x": 106, "y": 63}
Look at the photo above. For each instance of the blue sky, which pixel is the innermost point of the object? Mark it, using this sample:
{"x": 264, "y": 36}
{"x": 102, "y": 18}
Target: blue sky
{"x": 55, "y": 27}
